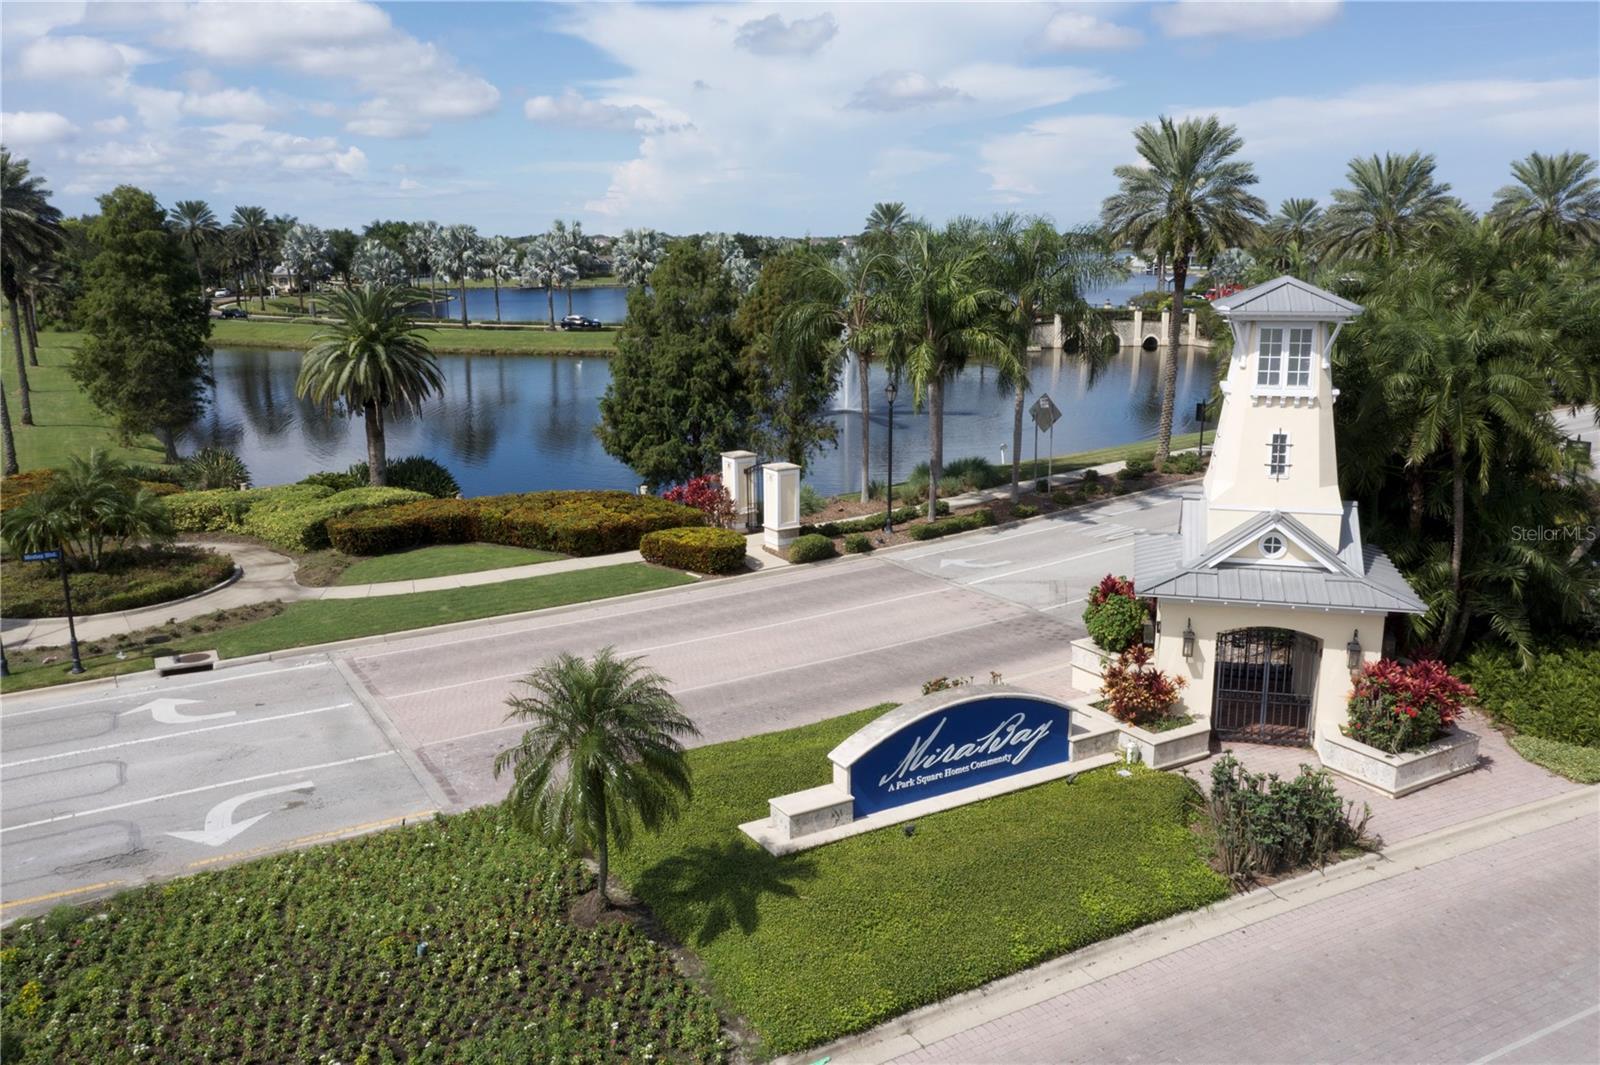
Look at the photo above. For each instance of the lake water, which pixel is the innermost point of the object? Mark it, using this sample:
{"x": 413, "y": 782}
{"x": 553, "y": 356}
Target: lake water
{"x": 609, "y": 303}
{"x": 523, "y": 423}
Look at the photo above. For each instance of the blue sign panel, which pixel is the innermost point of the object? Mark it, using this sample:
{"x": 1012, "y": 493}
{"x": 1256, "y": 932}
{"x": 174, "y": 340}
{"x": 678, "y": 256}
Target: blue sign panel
{"x": 41, "y": 556}
{"x": 960, "y": 746}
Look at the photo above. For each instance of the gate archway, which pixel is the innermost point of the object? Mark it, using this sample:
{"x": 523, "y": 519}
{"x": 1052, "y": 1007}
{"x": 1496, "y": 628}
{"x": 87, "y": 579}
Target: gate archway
{"x": 1265, "y": 684}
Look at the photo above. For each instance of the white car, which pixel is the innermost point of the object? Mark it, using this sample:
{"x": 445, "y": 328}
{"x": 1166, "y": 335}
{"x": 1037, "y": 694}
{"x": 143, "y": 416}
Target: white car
{"x": 221, "y": 294}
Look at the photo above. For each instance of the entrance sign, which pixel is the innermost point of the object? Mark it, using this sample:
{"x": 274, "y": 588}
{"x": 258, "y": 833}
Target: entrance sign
{"x": 41, "y": 556}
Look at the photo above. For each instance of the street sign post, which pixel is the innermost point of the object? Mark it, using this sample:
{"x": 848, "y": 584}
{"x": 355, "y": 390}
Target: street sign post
{"x": 1200, "y": 415}
{"x": 1045, "y": 415}
{"x": 55, "y": 555}
{"x": 41, "y": 556}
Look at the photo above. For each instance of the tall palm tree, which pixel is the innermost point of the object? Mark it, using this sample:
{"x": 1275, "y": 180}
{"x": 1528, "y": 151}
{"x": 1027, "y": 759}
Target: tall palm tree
{"x": 635, "y": 256}
{"x": 460, "y": 248}
{"x": 888, "y": 220}
{"x": 846, "y": 304}
{"x": 1041, "y": 271}
{"x": 500, "y": 259}
{"x": 603, "y": 750}
{"x": 35, "y": 277}
{"x": 1392, "y": 204}
{"x": 371, "y": 358}
{"x": 30, "y": 231}
{"x": 253, "y": 232}
{"x": 568, "y": 239}
{"x": 7, "y": 439}
{"x": 1190, "y": 197}
{"x": 1554, "y": 195}
{"x": 197, "y": 229}
{"x": 306, "y": 252}
{"x": 542, "y": 265}
{"x": 942, "y": 311}
{"x": 422, "y": 244}
{"x": 1292, "y": 232}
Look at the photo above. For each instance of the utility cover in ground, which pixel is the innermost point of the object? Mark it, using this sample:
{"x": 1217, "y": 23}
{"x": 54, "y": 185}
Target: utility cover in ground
{"x": 1045, "y": 412}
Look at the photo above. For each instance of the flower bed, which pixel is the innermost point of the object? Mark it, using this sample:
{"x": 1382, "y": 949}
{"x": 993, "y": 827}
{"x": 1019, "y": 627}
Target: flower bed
{"x": 697, "y": 548}
{"x": 127, "y": 580}
{"x": 1400, "y": 735}
{"x": 446, "y": 941}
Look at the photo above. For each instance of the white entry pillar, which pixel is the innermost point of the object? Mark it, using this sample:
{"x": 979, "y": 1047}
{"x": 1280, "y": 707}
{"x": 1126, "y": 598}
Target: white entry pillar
{"x": 738, "y": 482}
{"x": 1190, "y": 328}
{"x": 1055, "y": 333}
{"x": 1138, "y": 327}
{"x": 1166, "y": 317}
{"x": 781, "y": 500}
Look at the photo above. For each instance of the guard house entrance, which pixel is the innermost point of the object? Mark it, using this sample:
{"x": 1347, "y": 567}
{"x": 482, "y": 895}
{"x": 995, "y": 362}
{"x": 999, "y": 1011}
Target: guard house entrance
{"x": 1265, "y": 683}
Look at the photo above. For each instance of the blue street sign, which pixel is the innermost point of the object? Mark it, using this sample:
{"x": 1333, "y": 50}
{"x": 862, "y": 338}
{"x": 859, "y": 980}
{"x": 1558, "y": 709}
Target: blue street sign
{"x": 41, "y": 556}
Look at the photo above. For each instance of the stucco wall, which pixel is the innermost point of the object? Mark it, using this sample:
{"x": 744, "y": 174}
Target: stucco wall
{"x": 1328, "y": 711}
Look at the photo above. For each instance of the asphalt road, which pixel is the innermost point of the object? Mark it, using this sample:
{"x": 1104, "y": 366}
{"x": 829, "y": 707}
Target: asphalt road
{"x": 262, "y": 757}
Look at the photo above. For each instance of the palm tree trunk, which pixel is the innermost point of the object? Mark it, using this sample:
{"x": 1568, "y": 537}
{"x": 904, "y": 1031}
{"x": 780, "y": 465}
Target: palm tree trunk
{"x": 22, "y": 363}
{"x": 496, "y": 299}
{"x": 169, "y": 441}
{"x": 1417, "y": 500}
{"x": 602, "y": 849}
{"x": 9, "y": 441}
{"x": 377, "y": 465}
{"x": 864, "y": 380}
{"x": 261, "y": 283}
{"x": 569, "y": 297}
{"x": 1169, "y": 360}
{"x": 300, "y": 291}
{"x": 1016, "y": 439}
{"x": 32, "y": 321}
{"x": 463, "y": 299}
{"x": 935, "y": 443}
{"x": 201, "y": 276}
{"x": 550, "y": 299}
{"x": 1458, "y": 534}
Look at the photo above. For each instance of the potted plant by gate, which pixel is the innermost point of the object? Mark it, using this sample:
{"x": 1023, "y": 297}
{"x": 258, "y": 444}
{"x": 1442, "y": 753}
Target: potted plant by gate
{"x": 1400, "y": 733}
{"x": 1116, "y": 619}
{"x": 1143, "y": 698}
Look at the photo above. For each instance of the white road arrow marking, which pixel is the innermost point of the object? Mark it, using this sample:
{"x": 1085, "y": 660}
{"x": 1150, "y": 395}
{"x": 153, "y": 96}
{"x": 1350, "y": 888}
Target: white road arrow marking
{"x": 220, "y": 825}
{"x": 166, "y": 712}
{"x": 965, "y": 564}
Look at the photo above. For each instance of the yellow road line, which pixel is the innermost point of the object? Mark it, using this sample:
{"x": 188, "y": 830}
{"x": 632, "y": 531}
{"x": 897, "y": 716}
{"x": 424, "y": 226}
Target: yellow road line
{"x": 59, "y": 894}
{"x": 313, "y": 838}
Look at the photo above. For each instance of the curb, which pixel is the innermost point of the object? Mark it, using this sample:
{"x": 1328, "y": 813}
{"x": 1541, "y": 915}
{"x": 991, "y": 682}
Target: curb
{"x": 928, "y": 1024}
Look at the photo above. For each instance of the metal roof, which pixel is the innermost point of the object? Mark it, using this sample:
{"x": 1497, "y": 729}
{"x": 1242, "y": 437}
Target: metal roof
{"x": 1287, "y": 297}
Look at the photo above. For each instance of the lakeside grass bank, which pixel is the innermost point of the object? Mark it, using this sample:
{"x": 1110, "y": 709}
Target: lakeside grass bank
{"x": 445, "y": 340}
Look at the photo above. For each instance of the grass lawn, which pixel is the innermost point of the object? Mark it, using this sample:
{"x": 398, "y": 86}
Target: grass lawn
{"x": 1580, "y": 764}
{"x": 233, "y": 333}
{"x": 445, "y": 941}
{"x": 324, "y": 621}
{"x": 1079, "y": 460}
{"x": 65, "y": 422}
{"x": 441, "y": 561}
{"x": 833, "y": 940}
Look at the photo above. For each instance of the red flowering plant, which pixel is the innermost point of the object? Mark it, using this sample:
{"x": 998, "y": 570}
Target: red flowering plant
{"x": 1398, "y": 706}
{"x": 706, "y": 494}
{"x": 1114, "y": 616}
{"x": 1136, "y": 691}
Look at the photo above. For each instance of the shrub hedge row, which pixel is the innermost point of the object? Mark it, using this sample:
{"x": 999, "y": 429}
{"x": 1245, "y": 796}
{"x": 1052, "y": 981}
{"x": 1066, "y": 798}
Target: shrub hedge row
{"x": 700, "y": 549}
{"x": 977, "y": 519}
{"x": 571, "y": 522}
{"x": 812, "y": 547}
{"x": 126, "y": 580}
{"x": 302, "y": 525}
{"x": 224, "y": 509}
{"x": 871, "y": 522}
{"x": 1556, "y": 698}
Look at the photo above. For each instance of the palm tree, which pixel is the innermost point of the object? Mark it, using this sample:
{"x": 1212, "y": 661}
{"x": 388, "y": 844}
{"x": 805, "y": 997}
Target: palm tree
{"x": 1392, "y": 204}
{"x": 30, "y": 231}
{"x": 603, "y": 750}
{"x": 371, "y": 358}
{"x": 1041, "y": 271}
{"x": 567, "y": 238}
{"x": 7, "y": 439}
{"x": 635, "y": 256}
{"x": 422, "y": 243}
{"x": 845, "y": 303}
{"x": 34, "y": 277}
{"x": 542, "y": 265}
{"x": 460, "y": 248}
{"x": 500, "y": 257}
{"x": 1292, "y": 232}
{"x": 1555, "y": 195}
{"x": 91, "y": 506}
{"x": 1189, "y": 198}
{"x": 253, "y": 232}
{"x": 941, "y": 312}
{"x": 888, "y": 220}
{"x": 197, "y": 229}
{"x": 306, "y": 252}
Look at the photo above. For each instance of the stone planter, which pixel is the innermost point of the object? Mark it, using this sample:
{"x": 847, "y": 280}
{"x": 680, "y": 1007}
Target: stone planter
{"x": 1089, "y": 661}
{"x": 1452, "y": 754}
{"x": 1170, "y": 748}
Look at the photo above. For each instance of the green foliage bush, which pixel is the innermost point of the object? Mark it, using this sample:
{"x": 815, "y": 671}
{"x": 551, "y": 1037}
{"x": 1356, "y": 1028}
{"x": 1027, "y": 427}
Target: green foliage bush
{"x": 1184, "y": 462}
{"x": 1556, "y": 698}
{"x": 1090, "y": 476}
{"x": 698, "y": 548}
{"x": 449, "y": 940}
{"x": 416, "y": 472}
{"x": 1114, "y": 616}
{"x": 933, "y": 530}
{"x": 1265, "y": 826}
{"x": 213, "y": 467}
{"x": 336, "y": 480}
{"x": 1024, "y": 510}
{"x": 399, "y": 528}
{"x": 1134, "y": 469}
{"x": 871, "y": 522}
{"x": 126, "y": 580}
{"x": 1580, "y": 764}
{"x": 969, "y": 474}
{"x": 857, "y": 544}
{"x": 811, "y": 501}
{"x": 1064, "y": 497}
{"x": 303, "y": 525}
{"x": 224, "y": 509}
{"x": 812, "y": 547}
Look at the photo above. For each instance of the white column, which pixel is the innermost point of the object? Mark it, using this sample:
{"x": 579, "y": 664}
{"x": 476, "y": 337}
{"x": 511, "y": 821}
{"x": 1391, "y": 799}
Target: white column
{"x": 781, "y": 504}
{"x": 1138, "y": 328}
{"x": 1055, "y": 334}
{"x": 1190, "y": 329}
{"x": 1161, "y": 337}
{"x": 741, "y": 487}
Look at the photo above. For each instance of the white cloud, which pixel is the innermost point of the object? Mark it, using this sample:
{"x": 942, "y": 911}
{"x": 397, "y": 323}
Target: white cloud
{"x": 33, "y": 128}
{"x": 572, "y": 108}
{"x": 772, "y": 36}
{"x": 1028, "y": 162}
{"x": 71, "y": 58}
{"x": 114, "y": 124}
{"x": 25, "y": 21}
{"x": 1262, "y": 19}
{"x": 1079, "y": 30}
{"x": 1013, "y": 88}
{"x": 241, "y": 105}
{"x": 899, "y": 90}
{"x": 669, "y": 170}
{"x": 896, "y": 163}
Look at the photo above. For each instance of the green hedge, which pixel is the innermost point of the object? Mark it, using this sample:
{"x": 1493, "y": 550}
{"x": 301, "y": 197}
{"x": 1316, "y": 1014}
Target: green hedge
{"x": 812, "y": 547}
{"x": 126, "y": 580}
{"x": 697, "y": 548}
{"x": 1557, "y": 698}
{"x": 298, "y": 525}
{"x": 857, "y": 544}
{"x": 977, "y": 519}
{"x": 224, "y": 509}
{"x": 573, "y": 523}
{"x": 871, "y": 522}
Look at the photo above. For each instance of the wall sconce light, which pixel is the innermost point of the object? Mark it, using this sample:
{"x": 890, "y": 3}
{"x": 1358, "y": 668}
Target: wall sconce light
{"x": 1188, "y": 639}
{"x": 1354, "y": 647}
{"x": 1149, "y": 630}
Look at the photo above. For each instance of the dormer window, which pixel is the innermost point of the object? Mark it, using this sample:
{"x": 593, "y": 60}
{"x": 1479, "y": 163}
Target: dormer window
{"x": 1272, "y": 545}
{"x": 1299, "y": 369}
{"x": 1283, "y": 361}
{"x": 1270, "y": 363}
{"x": 1278, "y": 455}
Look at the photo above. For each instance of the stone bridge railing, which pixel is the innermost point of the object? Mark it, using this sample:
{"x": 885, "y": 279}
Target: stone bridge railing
{"x": 1133, "y": 331}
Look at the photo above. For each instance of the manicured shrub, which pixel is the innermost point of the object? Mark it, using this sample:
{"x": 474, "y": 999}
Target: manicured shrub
{"x": 1090, "y": 476}
{"x": 1024, "y": 510}
{"x": 224, "y": 509}
{"x": 213, "y": 467}
{"x": 1063, "y": 497}
{"x": 811, "y": 501}
{"x": 161, "y": 488}
{"x": 1136, "y": 691}
{"x": 416, "y": 472}
{"x": 302, "y": 525}
{"x": 19, "y": 486}
{"x": 127, "y": 579}
{"x": 578, "y": 523}
{"x": 1042, "y": 485}
{"x": 977, "y": 519}
{"x": 707, "y": 495}
{"x": 1557, "y": 697}
{"x": 1114, "y": 615}
{"x": 1265, "y": 826}
{"x": 857, "y": 544}
{"x": 1134, "y": 469}
{"x": 698, "y": 548}
{"x": 336, "y": 480}
{"x": 1402, "y": 706}
{"x": 871, "y": 522}
{"x": 1185, "y": 462}
{"x": 812, "y": 547}
{"x": 398, "y": 528}
{"x": 969, "y": 474}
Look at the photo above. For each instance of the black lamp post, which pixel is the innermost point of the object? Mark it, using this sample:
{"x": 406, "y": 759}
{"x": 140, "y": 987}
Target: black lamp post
{"x": 890, "y": 390}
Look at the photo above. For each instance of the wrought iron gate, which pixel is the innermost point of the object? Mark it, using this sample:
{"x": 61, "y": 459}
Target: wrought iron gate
{"x": 752, "y": 496}
{"x": 1265, "y": 683}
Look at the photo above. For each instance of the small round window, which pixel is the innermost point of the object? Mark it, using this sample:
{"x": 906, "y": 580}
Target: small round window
{"x": 1271, "y": 545}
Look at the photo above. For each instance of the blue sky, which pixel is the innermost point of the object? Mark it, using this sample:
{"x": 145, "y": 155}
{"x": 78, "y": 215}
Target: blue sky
{"x": 765, "y": 118}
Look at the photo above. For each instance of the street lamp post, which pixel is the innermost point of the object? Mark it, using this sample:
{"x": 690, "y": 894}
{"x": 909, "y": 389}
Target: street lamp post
{"x": 890, "y": 390}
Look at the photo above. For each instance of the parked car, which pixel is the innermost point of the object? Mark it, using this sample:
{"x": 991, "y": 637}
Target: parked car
{"x": 234, "y": 312}
{"x": 580, "y": 321}
{"x": 221, "y": 294}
